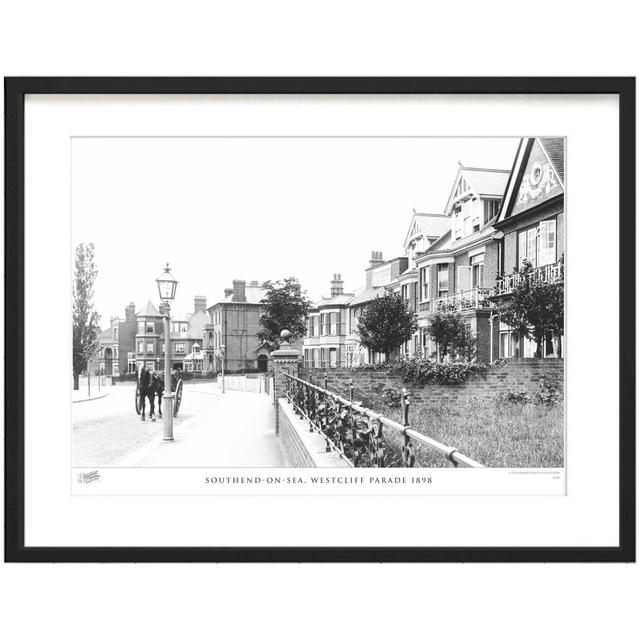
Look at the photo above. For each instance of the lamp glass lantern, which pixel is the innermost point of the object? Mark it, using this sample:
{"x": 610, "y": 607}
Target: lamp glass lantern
{"x": 167, "y": 285}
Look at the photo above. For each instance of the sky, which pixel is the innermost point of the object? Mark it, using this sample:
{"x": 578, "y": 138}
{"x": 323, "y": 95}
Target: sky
{"x": 219, "y": 209}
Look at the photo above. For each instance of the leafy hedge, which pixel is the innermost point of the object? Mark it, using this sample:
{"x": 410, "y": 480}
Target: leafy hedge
{"x": 421, "y": 371}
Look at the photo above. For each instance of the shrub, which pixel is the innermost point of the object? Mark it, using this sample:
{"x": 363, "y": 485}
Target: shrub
{"x": 548, "y": 394}
{"x": 391, "y": 398}
{"x": 419, "y": 370}
{"x": 515, "y": 397}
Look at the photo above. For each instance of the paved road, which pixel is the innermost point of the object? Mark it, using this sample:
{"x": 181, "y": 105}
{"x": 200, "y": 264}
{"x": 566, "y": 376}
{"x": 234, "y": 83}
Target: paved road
{"x": 235, "y": 429}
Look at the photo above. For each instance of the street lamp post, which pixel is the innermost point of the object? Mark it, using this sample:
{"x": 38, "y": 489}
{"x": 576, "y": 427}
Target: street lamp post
{"x": 167, "y": 286}
{"x": 222, "y": 348}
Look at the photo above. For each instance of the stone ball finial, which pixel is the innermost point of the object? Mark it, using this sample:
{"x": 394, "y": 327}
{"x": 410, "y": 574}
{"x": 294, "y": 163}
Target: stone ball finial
{"x": 285, "y": 334}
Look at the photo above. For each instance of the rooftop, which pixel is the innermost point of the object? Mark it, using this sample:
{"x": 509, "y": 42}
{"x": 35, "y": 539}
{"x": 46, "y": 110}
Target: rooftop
{"x": 149, "y": 309}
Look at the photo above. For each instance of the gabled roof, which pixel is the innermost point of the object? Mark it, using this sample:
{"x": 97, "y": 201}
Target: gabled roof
{"x": 431, "y": 225}
{"x": 149, "y": 309}
{"x": 537, "y": 175}
{"x": 555, "y": 150}
{"x": 440, "y": 244}
{"x": 482, "y": 182}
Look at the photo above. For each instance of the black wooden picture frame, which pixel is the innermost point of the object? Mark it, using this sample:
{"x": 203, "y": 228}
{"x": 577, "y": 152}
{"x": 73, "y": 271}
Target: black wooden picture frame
{"x": 15, "y": 91}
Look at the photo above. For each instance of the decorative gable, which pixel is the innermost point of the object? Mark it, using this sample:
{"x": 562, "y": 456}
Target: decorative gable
{"x": 540, "y": 181}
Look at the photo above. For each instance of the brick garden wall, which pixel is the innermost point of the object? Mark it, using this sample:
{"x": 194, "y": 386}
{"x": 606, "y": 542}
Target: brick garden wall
{"x": 516, "y": 375}
{"x": 301, "y": 447}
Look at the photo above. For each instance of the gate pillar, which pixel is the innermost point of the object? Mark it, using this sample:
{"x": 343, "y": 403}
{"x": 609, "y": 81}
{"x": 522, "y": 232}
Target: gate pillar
{"x": 284, "y": 360}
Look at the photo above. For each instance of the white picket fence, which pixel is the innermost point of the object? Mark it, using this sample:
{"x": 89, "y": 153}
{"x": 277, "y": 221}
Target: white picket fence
{"x": 242, "y": 383}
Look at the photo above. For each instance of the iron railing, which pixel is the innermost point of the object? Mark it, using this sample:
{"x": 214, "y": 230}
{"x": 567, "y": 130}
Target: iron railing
{"x": 476, "y": 298}
{"x": 356, "y": 433}
{"x": 548, "y": 273}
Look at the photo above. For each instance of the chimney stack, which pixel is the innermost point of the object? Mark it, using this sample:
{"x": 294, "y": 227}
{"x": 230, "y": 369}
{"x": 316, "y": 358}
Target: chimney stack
{"x": 239, "y": 291}
{"x": 130, "y": 311}
{"x": 227, "y": 292}
{"x": 199, "y": 304}
{"x": 337, "y": 285}
{"x": 376, "y": 259}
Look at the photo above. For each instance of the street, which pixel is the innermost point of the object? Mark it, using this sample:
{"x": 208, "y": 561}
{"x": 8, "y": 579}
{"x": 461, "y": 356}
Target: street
{"x": 235, "y": 429}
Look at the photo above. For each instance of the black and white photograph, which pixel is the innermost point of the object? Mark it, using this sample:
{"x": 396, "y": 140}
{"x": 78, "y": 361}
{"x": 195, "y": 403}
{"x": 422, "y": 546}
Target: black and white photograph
{"x": 329, "y": 312}
{"x": 318, "y": 302}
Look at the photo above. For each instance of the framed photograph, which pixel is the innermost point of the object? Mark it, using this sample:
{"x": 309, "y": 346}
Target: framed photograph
{"x": 320, "y": 319}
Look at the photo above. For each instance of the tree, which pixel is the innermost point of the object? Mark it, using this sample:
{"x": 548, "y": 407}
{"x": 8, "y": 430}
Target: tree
{"x": 536, "y": 307}
{"x": 284, "y": 306}
{"x": 386, "y": 323}
{"x": 452, "y": 335}
{"x": 85, "y": 318}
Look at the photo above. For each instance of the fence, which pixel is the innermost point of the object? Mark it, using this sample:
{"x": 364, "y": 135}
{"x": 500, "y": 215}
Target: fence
{"x": 253, "y": 384}
{"x": 357, "y": 433}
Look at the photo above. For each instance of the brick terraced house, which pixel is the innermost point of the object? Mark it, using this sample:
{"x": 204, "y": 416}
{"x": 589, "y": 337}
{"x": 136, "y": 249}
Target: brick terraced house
{"x": 460, "y": 268}
{"x": 531, "y": 226}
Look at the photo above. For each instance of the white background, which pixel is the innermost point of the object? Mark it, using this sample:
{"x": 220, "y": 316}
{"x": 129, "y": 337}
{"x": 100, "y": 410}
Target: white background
{"x": 370, "y": 38}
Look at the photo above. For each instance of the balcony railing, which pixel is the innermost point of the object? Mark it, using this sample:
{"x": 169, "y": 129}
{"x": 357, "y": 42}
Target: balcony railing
{"x": 358, "y": 434}
{"x": 547, "y": 273}
{"x": 476, "y": 298}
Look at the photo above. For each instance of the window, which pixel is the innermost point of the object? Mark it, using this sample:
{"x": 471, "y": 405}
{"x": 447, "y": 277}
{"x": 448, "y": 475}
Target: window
{"x": 333, "y": 357}
{"x": 509, "y": 343}
{"x": 491, "y": 208}
{"x": 466, "y": 228}
{"x": 150, "y": 327}
{"x": 140, "y": 347}
{"x": 210, "y": 339}
{"x": 477, "y": 271}
{"x": 504, "y": 345}
{"x": 150, "y": 349}
{"x": 179, "y": 348}
{"x": 547, "y": 243}
{"x": 334, "y": 323}
{"x": 538, "y": 244}
{"x": 475, "y": 221}
{"x": 457, "y": 222}
{"x": 443, "y": 280}
{"x": 140, "y": 327}
{"x": 424, "y": 283}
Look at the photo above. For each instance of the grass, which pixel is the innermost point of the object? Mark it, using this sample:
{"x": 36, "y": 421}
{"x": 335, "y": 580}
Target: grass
{"x": 495, "y": 433}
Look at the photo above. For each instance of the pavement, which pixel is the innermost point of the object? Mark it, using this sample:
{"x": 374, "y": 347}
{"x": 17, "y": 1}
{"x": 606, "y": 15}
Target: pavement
{"x": 234, "y": 429}
{"x": 81, "y": 395}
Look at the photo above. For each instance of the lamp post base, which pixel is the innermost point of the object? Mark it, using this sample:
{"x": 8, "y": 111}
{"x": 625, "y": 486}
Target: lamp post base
{"x": 167, "y": 416}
